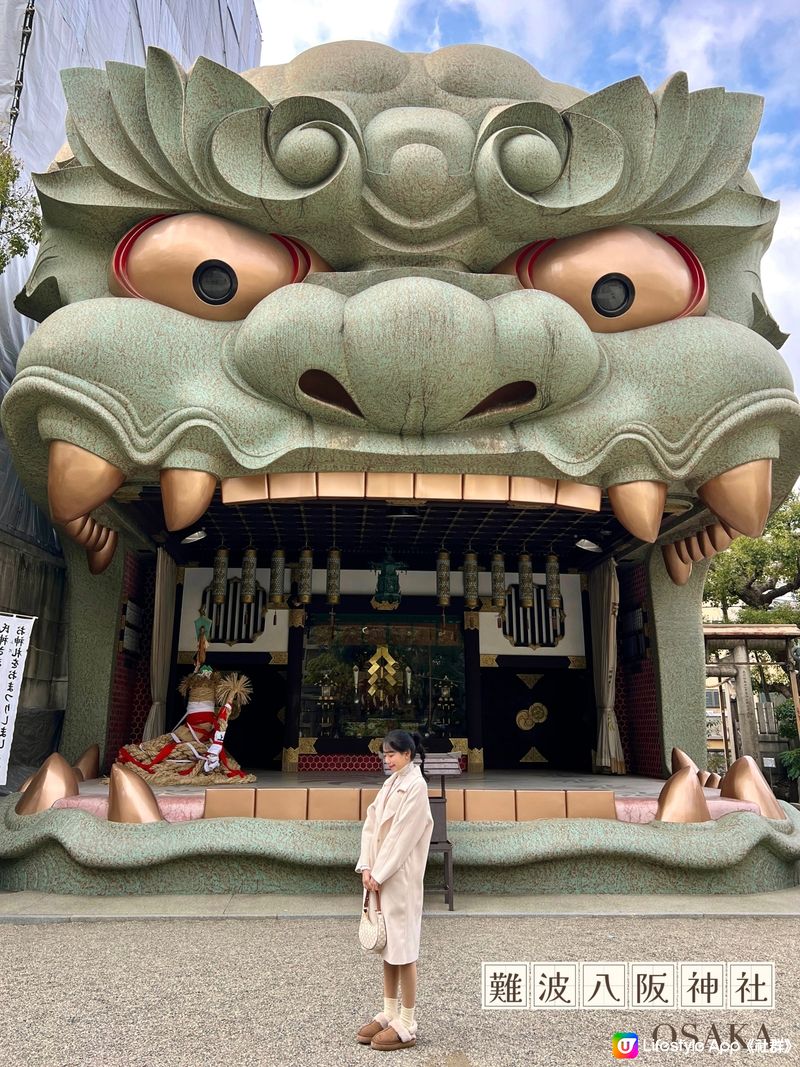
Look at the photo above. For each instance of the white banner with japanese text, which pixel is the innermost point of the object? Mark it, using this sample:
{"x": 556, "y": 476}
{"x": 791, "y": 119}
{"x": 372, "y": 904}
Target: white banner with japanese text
{"x": 15, "y": 636}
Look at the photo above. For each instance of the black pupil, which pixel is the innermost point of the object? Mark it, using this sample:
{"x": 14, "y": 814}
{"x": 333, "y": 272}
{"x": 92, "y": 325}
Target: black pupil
{"x": 612, "y": 294}
{"x": 215, "y": 282}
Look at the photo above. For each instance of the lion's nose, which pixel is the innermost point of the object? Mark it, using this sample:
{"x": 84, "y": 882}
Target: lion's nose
{"x": 416, "y": 355}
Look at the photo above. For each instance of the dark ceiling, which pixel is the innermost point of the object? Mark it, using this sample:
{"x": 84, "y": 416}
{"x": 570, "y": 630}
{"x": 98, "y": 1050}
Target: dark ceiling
{"x": 363, "y": 530}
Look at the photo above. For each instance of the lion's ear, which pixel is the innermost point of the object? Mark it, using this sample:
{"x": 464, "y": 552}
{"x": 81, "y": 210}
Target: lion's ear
{"x": 40, "y": 301}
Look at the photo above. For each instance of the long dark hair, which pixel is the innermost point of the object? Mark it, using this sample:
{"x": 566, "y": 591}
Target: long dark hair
{"x": 403, "y": 741}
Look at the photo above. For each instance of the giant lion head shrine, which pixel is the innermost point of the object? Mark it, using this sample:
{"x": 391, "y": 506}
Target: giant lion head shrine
{"x": 383, "y": 390}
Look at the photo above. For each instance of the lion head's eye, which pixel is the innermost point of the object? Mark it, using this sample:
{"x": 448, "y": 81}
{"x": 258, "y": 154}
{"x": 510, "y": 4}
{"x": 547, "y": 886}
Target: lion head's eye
{"x": 620, "y": 278}
{"x": 206, "y": 266}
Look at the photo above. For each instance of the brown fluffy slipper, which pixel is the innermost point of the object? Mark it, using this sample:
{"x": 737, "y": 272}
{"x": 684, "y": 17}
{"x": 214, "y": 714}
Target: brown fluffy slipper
{"x": 373, "y": 1027}
{"x": 395, "y": 1036}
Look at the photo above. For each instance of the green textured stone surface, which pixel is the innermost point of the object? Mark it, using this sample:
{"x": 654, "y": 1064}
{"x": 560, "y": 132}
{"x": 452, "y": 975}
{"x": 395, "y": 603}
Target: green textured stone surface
{"x": 93, "y": 613}
{"x": 413, "y": 176}
{"x": 69, "y": 851}
{"x": 406, "y": 164}
{"x": 675, "y": 624}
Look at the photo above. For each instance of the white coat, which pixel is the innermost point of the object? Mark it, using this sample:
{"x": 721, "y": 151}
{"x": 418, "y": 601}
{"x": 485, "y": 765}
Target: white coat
{"x": 394, "y": 845}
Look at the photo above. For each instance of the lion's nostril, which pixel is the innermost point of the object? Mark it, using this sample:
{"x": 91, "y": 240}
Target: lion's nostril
{"x": 513, "y": 395}
{"x": 320, "y": 385}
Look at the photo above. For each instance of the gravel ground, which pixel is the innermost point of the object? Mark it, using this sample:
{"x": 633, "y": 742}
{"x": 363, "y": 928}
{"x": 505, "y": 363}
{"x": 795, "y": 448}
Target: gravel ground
{"x": 292, "y": 992}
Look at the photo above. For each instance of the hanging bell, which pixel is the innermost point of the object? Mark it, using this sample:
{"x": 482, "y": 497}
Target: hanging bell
{"x": 470, "y": 573}
{"x": 249, "y": 563}
{"x": 305, "y": 572}
{"x": 525, "y": 576}
{"x": 277, "y": 570}
{"x": 498, "y": 580}
{"x": 219, "y": 581}
{"x": 553, "y": 581}
{"x": 443, "y": 578}
{"x": 333, "y": 576}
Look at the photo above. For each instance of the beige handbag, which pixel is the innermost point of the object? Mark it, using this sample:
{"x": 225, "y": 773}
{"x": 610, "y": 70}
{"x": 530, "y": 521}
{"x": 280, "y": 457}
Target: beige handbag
{"x": 372, "y": 935}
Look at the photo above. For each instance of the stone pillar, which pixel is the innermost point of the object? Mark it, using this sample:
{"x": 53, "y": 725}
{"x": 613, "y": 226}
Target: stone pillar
{"x": 294, "y": 685}
{"x": 472, "y": 691}
{"x": 93, "y": 621}
{"x": 745, "y": 703}
{"x": 676, "y": 640}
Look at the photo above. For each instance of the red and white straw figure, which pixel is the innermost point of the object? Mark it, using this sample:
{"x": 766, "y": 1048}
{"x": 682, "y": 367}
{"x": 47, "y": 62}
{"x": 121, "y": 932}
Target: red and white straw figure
{"x": 233, "y": 692}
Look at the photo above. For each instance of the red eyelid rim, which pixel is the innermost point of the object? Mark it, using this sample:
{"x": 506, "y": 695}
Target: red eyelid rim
{"x": 301, "y": 260}
{"x": 119, "y": 262}
{"x": 695, "y": 269}
{"x": 529, "y": 254}
{"x": 526, "y": 258}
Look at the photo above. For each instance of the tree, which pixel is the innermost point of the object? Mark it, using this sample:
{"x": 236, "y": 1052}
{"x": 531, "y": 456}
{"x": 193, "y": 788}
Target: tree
{"x": 757, "y": 572}
{"x": 20, "y": 221}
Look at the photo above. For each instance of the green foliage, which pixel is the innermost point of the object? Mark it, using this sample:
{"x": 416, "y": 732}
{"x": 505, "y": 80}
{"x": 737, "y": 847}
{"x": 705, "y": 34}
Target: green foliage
{"x": 785, "y": 717}
{"x": 20, "y": 221}
{"x": 791, "y": 761}
{"x": 756, "y": 572}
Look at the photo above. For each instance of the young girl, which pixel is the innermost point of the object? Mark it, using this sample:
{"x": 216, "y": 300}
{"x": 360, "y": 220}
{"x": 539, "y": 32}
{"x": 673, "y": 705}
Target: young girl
{"x": 394, "y": 851}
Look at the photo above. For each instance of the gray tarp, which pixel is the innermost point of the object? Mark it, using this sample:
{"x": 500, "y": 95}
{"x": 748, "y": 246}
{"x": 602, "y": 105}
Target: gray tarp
{"x": 70, "y": 33}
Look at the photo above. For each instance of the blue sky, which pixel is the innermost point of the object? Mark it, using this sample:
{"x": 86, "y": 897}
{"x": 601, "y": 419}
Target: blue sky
{"x": 747, "y": 47}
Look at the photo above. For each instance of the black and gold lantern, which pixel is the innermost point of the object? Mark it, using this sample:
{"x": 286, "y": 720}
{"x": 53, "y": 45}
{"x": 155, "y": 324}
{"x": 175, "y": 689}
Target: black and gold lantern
{"x": 249, "y": 564}
{"x": 470, "y": 572}
{"x": 553, "y": 590}
{"x": 443, "y": 578}
{"x": 305, "y": 572}
{"x": 498, "y": 579}
{"x": 333, "y": 576}
{"x": 525, "y": 576}
{"x": 219, "y": 581}
{"x": 277, "y": 570}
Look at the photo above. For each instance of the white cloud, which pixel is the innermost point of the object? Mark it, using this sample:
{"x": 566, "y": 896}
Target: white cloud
{"x": 543, "y": 31}
{"x": 288, "y": 29}
{"x": 708, "y": 41}
{"x": 779, "y": 276}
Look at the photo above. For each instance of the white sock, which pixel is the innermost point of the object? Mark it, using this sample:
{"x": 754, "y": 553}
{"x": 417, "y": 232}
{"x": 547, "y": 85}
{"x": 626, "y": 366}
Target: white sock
{"x": 391, "y": 1006}
{"x": 407, "y": 1016}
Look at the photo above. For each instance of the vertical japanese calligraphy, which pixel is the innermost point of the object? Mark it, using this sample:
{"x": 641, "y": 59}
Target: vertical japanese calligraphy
{"x": 15, "y": 635}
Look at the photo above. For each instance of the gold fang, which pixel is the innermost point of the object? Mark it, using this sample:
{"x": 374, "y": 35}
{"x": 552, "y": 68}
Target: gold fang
{"x": 185, "y": 496}
{"x": 741, "y": 496}
{"x": 678, "y": 571}
{"x": 130, "y": 798}
{"x": 78, "y": 481}
{"x": 639, "y": 507}
{"x": 88, "y": 763}
{"x": 100, "y": 559}
{"x": 744, "y": 781}
{"x": 681, "y": 759}
{"x": 54, "y": 780}
{"x": 682, "y": 799}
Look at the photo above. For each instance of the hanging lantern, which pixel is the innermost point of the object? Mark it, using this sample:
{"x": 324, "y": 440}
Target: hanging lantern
{"x": 305, "y": 571}
{"x": 553, "y": 581}
{"x": 498, "y": 579}
{"x": 219, "y": 583}
{"x": 277, "y": 569}
{"x": 443, "y": 578}
{"x": 333, "y": 576}
{"x": 470, "y": 571}
{"x": 525, "y": 572}
{"x": 249, "y": 561}
{"x": 553, "y": 591}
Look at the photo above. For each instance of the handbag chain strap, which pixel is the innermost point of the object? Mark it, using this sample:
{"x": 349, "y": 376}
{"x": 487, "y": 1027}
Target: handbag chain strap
{"x": 377, "y": 893}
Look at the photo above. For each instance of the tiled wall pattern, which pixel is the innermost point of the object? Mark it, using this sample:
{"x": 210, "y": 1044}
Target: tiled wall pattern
{"x": 636, "y": 703}
{"x": 130, "y": 689}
